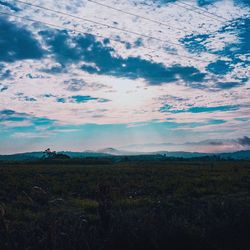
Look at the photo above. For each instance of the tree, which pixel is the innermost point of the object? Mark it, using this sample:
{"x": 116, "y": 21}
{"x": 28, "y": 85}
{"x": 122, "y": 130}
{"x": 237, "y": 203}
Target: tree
{"x": 48, "y": 154}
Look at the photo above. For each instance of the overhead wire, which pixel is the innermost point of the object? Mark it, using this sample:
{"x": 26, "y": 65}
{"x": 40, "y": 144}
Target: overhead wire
{"x": 60, "y": 27}
{"x": 153, "y": 20}
{"x": 204, "y": 10}
{"x": 100, "y": 23}
{"x": 196, "y": 11}
{"x": 138, "y": 16}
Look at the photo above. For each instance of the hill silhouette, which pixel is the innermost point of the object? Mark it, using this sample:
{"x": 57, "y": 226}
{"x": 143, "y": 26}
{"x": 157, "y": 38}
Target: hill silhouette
{"x": 112, "y": 152}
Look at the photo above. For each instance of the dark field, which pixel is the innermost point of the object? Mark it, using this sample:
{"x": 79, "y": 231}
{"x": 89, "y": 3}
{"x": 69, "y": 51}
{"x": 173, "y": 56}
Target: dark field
{"x": 172, "y": 204}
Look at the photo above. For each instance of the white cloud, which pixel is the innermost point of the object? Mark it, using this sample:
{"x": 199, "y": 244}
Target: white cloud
{"x": 132, "y": 101}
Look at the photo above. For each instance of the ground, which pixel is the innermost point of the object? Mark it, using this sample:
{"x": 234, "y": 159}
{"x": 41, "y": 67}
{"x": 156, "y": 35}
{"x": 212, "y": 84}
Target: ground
{"x": 167, "y": 204}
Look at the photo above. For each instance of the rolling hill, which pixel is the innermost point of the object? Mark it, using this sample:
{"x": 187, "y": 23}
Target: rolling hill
{"x": 112, "y": 152}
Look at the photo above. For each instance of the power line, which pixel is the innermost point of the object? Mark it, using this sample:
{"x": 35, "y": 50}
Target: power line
{"x": 59, "y": 27}
{"x": 204, "y": 10}
{"x": 139, "y": 16}
{"x": 142, "y": 17}
{"x": 99, "y": 23}
{"x": 158, "y": 22}
{"x": 198, "y": 12}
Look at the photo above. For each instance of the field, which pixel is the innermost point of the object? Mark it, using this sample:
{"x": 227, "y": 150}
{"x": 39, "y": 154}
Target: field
{"x": 139, "y": 205}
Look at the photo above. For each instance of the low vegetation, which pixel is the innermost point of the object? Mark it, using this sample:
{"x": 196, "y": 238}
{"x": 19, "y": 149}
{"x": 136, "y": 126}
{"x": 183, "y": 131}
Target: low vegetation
{"x": 170, "y": 204}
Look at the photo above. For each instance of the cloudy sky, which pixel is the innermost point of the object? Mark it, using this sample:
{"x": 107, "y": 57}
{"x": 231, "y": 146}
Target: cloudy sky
{"x": 172, "y": 76}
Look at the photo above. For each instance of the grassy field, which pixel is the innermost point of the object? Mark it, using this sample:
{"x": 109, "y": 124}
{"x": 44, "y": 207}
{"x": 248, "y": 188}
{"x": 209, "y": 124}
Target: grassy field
{"x": 172, "y": 204}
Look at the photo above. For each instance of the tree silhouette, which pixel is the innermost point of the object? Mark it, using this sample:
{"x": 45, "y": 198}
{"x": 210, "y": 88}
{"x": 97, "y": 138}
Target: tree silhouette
{"x": 48, "y": 154}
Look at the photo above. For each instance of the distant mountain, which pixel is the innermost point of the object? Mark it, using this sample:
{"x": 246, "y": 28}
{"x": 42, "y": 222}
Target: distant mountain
{"x": 22, "y": 156}
{"x": 113, "y": 151}
{"x": 84, "y": 154}
{"x": 109, "y": 152}
{"x": 182, "y": 154}
{"x": 239, "y": 155}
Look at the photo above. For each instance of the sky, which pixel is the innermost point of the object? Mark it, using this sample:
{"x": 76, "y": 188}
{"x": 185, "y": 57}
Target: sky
{"x": 173, "y": 75}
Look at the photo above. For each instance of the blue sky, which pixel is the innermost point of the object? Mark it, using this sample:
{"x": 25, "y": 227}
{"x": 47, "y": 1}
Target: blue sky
{"x": 86, "y": 86}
